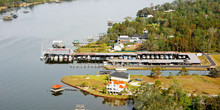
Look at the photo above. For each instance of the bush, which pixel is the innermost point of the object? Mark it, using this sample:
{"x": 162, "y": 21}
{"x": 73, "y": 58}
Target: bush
{"x": 215, "y": 73}
{"x": 84, "y": 84}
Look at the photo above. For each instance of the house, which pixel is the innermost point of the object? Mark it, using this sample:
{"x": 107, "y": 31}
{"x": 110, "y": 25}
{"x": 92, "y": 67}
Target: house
{"x": 170, "y": 10}
{"x": 118, "y": 47}
{"x": 150, "y": 16}
{"x": 123, "y": 39}
{"x": 140, "y": 37}
{"x": 120, "y": 76}
{"x": 116, "y": 86}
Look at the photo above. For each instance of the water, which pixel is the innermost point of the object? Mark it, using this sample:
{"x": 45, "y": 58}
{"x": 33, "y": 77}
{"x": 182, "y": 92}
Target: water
{"x": 25, "y": 80}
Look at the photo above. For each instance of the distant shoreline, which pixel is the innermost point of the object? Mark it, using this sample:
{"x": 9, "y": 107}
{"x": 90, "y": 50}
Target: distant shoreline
{"x": 25, "y": 4}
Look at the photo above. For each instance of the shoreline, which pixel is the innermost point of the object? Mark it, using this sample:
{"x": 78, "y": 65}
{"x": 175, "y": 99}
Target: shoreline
{"x": 193, "y": 84}
{"x": 25, "y": 4}
{"x": 98, "y": 95}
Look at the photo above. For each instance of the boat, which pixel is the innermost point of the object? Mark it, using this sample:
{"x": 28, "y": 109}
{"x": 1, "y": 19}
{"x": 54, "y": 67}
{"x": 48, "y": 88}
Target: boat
{"x": 88, "y": 57}
{"x": 14, "y": 15}
{"x": 65, "y": 58}
{"x": 111, "y": 57}
{"x": 7, "y": 18}
{"x": 56, "y": 58}
{"x": 161, "y": 56}
{"x": 148, "y": 56}
{"x": 152, "y": 56}
{"x": 143, "y": 56}
{"x": 25, "y": 11}
{"x": 51, "y": 58}
{"x": 60, "y": 58}
{"x": 41, "y": 57}
{"x": 70, "y": 58}
{"x": 171, "y": 56}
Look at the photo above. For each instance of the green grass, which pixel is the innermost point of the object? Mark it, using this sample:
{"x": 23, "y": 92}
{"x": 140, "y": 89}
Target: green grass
{"x": 204, "y": 60}
{"x": 198, "y": 84}
{"x": 216, "y": 59}
{"x": 100, "y": 81}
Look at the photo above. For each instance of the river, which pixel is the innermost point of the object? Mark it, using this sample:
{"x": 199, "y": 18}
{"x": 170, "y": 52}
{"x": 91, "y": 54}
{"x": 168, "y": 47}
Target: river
{"x": 25, "y": 81}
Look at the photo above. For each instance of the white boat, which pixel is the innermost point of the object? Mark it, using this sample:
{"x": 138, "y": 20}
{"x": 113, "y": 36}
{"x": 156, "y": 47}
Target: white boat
{"x": 84, "y": 57}
{"x": 180, "y": 57}
{"x": 88, "y": 57}
{"x": 51, "y": 58}
{"x": 157, "y": 56}
{"x": 70, "y": 58}
{"x": 184, "y": 56}
{"x": 161, "y": 56}
{"x": 143, "y": 56}
{"x": 65, "y": 58}
{"x": 41, "y": 57}
{"x": 152, "y": 56}
{"x": 61, "y": 58}
{"x": 138, "y": 57}
{"x": 120, "y": 57}
{"x": 148, "y": 56}
{"x": 171, "y": 56}
{"x": 111, "y": 57}
{"x": 56, "y": 58}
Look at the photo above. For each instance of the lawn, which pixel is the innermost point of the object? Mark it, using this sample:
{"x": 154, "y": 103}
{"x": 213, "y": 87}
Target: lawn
{"x": 204, "y": 60}
{"x": 99, "y": 81}
{"x": 191, "y": 83}
{"x": 216, "y": 59}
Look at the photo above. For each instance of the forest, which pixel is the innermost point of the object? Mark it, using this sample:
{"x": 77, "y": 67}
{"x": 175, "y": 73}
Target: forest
{"x": 183, "y": 25}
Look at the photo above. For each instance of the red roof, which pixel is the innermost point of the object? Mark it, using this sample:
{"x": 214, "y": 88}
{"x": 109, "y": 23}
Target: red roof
{"x": 56, "y": 86}
{"x": 117, "y": 82}
{"x": 120, "y": 86}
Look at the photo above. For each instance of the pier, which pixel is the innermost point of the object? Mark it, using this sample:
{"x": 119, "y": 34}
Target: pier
{"x": 121, "y": 59}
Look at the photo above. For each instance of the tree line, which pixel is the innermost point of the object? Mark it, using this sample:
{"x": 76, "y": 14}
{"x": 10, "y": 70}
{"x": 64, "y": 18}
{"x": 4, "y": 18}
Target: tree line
{"x": 183, "y": 25}
{"x": 153, "y": 97}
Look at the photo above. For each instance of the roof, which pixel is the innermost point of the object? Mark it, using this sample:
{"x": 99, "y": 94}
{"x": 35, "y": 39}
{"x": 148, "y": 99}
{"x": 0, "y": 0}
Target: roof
{"x": 120, "y": 75}
{"x": 56, "y": 86}
{"x": 117, "y": 82}
{"x": 120, "y": 86}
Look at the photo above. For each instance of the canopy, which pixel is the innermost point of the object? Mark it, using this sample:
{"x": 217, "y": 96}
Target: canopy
{"x": 56, "y": 86}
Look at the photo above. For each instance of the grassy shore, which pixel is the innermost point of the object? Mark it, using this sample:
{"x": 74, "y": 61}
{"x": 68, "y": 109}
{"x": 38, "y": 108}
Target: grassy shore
{"x": 216, "y": 59}
{"x": 192, "y": 83}
{"x": 98, "y": 82}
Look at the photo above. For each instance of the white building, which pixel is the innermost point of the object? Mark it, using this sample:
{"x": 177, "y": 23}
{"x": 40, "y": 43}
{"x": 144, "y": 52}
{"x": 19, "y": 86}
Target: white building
{"x": 123, "y": 39}
{"x": 120, "y": 76}
{"x": 150, "y": 16}
{"x": 116, "y": 86}
{"x": 118, "y": 47}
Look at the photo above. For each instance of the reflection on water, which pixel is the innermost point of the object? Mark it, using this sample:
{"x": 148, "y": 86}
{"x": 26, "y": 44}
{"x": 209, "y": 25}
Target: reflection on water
{"x": 116, "y": 102}
{"x": 56, "y": 93}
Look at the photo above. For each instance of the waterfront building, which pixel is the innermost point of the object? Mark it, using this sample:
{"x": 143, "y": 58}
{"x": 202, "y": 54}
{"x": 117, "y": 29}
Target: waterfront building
{"x": 120, "y": 76}
{"x": 116, "y": 86}
{"x": 123, "y": 39}
{"x": 118, "y": 47}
